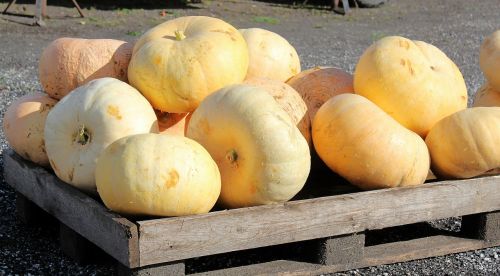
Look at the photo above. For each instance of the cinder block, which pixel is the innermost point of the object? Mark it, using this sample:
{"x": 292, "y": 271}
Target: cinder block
{"x": 485, "y": 226}
{"x": 341, "y": 249}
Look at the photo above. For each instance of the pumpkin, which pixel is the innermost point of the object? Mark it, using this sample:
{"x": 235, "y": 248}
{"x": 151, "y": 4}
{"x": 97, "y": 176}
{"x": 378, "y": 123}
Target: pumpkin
{"x": 412, "y": 81}
{"x": 489, "y": 59}
{"x": 89, "y": 119}
{"x": 486, "y": 96}
{"x": 360, "y": 142}
{"x": 317, "y": 85}
{"x": 67, "y": 63}
{"x": 172, "y": 123}
{"x": 465, "y": 144}
{"x": 23, "y": 126}
{"x": 271, "y": 55}
{"x": 159, "y": 175}
{"x": 289, "y": 100}
{"x": 176, "y": 64}
{"x": 262, "y": 156}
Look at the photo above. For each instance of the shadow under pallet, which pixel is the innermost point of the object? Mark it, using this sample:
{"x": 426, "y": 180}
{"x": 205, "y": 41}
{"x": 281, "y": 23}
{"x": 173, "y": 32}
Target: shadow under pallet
{"x": 329, "y": 227}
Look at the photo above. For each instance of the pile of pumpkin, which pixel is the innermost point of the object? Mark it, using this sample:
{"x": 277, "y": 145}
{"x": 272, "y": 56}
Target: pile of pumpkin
{"x": 197, "y": 112}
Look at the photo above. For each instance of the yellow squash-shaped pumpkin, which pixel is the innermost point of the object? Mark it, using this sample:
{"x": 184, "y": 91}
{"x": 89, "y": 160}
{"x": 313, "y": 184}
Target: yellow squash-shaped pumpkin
{"x": 466, "y": 144}
{"x": 67, "y": 63}
{"x": 271, "y": 55}
{"x": 23, "y": 125}
{"x": 412, "y": 81}
{"x": 160, "y": 175}
{"x": 262, "y": 156}
{"x": 489, "y": 59}
{"x": 486, "y": 96}
{"x": 87, "y": 120}
{"x": 176, "y": 64}
{"x": 360, "y": 142}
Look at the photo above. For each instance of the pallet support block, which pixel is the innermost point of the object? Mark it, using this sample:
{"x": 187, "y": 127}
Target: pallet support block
{"x": 28, "y": 212}
{"x": 483, "y": 226}
{"x": 79, "y": 248}
{"x": 165, "y": 269}
{"x": 343, "y": 249}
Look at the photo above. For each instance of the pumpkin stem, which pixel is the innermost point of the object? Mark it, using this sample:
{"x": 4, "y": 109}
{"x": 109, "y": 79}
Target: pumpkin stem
{"x": 232, "y": 156}
{"x": 82, "y": 135}
{"x": 179, "y": 35}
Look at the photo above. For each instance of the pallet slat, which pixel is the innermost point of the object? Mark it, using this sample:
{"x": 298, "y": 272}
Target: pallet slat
{"x": 116, "y": 235}
{"x": 171, "y": 239}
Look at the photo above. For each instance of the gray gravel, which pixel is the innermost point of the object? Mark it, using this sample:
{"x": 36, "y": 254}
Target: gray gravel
{"x": 457, "y": 27}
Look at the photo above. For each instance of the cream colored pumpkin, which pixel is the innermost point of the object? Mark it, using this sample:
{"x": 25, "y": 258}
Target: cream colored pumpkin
{"x": 289, "y": 100}
{"x": 486, "y": 96}
{"x": 271, "y": 55}
{"x": 262, "y": 156}
{"x": 159, "y": 175}
{"x": 176, "y": 64}
{"x": 23, "y": 125}
{"x": 412, "y": 81}
{"x": 360, "y": 142}
{"x": 317, "y": 85}
{"x": 67, "y": 63}
{"x": 489, "y": 59}
{"x": 466, "y": 144}
{"x": 86, "y": 121}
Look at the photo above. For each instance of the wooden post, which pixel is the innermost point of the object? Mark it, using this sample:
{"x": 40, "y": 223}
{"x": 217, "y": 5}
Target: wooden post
{"x": 38, "y": 19}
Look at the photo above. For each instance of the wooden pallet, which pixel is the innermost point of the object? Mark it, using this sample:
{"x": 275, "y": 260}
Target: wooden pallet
{"x": 313, "y": 235}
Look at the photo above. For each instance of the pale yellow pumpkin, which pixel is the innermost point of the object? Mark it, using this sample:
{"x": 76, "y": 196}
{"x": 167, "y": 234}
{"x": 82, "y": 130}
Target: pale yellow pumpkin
{"x": 67, "y": 63}
{"x": 262, "y": 156}
{"x": 89, "y": 119}
{"x": 317, "y": 85}
{"x": 271, "y": 55}
{"x": 289, "y": 100}
{"x": 466, "y": 143}
{"x": 159, "y": 175}
{"x": 176, "y": 64}
{"x": 412, "y": 81}
{"x": 486, "y": 96}
{"x": 489, "y": 59}
{"x": 360, "y": 142}
{"x": 23, "y": 125}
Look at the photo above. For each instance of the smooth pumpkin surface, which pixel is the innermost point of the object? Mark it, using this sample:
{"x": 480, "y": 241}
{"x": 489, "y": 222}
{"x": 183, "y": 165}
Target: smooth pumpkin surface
{"x": 319, "y": 84}
{"x": 413, "y": 81}
{"x": 486, "y": 96}
{"x": 67, "y": 63}
{"x": 262, "y": 156}
{"x": 360, "y": 142}
{"x": 23, "y": 126}
{"x": 172, "y": 123}
{"x": 289, "y": 100}
{"x": 160, "y": 175}
{"x": 88, "y": 120}
{"x": 489, "y": 59}
{"x": 176, "y": 64}
{"x": 465, "y": 144}
{"x": 271, "y": 55}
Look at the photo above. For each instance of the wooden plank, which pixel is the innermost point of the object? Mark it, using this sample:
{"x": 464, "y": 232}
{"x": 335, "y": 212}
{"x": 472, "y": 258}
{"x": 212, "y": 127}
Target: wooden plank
{"x": 116, "y": 235}
{"x": 170, "y": 239}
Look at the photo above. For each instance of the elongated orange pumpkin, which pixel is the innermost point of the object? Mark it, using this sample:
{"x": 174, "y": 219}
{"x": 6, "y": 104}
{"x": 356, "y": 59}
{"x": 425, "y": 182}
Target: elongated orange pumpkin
{"x": 486, "y": 96}
{"x": 360, "y": 142}
{"x": 489, "y": 59}
{"x": 67, "y": 63}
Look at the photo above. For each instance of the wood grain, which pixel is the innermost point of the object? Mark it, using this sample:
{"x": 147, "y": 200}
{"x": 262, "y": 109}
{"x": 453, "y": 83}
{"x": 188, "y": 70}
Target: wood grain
{"x": 170, "y": 239}
{"x": 116, "y": 235}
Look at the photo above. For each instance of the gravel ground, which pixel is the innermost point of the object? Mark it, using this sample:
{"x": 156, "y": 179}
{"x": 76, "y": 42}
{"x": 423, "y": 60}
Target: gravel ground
{"x": 457, "y": 27}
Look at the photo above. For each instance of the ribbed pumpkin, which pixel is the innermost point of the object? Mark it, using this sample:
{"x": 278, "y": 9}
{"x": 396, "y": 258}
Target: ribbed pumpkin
{"x": 486, "y": 96}
{"x": 271, "y": 55}
{"x": 172, "y": 123}
{"x": 360, "y": 142}
{"x": 317, "y": 85}
{"x": 67, "y": 63}
{"x": 176, "y": 64}
{"x": 489, "y": 59}
{"x": 23, "y": 126}
{"x": 289, "y": 100}
{"x": 160, "y": 175}
{"x": 262, "y": 156}
{"x": 88, "y": 120}
{"x": 466, "y": 143}
{"x": 412, "y": 81}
